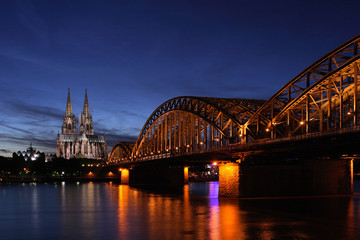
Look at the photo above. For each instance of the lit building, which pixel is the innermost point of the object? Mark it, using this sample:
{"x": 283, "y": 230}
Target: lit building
{"x": 30, "y": 154}
{"x": 85, "y": 144}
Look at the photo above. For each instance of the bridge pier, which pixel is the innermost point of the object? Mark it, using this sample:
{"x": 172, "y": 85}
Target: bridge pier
{"x": 158, "y": 175}
{"x": 308, "y": 177}
{"x": 124, "y": 176}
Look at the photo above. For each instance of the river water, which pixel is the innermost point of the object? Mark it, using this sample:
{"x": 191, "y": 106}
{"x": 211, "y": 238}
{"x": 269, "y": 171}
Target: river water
{"x": 111, "y": 211}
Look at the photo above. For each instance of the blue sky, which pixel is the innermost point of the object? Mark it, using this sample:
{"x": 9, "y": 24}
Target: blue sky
{"x": 131, "y": 56}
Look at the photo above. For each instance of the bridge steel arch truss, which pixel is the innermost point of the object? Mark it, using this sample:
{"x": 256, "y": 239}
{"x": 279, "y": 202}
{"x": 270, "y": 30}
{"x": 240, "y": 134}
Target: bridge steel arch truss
{"x": 323, "y": 97}
{"x": 193, "y": 124}
{"x": 121, "y": 151}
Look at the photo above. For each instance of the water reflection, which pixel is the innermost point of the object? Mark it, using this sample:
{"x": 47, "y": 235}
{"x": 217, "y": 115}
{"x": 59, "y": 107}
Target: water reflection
{"x": 214, "y": 218}
{"x": 111, "y": 211}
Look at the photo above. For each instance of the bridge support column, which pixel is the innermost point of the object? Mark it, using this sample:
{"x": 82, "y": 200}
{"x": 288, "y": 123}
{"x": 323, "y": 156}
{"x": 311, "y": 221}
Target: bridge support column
{"x": 159, "y": 175}
{"x": 229, "y": 177}
{"x": 308, "y": 177}
{"x": 124, "y": 176}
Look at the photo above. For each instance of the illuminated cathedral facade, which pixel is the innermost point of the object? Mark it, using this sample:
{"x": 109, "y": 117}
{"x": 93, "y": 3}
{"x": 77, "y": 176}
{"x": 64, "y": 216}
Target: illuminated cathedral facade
{"x": 85, "y": 143}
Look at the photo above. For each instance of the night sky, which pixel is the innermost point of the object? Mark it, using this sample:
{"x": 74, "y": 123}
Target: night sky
{"x": 132, "y": 56}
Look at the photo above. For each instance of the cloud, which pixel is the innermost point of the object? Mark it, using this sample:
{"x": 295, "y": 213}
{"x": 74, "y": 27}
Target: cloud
{"x": 39, "y": 125}
{"x": 24, "y": 123}
{"x": 37, "y": 112}
{"x": 112, "y": 139}
{"x": 43, "y": 143}
{"x": 5, "y": 151}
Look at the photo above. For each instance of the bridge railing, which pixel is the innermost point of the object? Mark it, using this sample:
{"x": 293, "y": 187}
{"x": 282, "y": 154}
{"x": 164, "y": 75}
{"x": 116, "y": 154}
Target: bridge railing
{"x": 239, "y": 146}
{"x": 329, "y": 132}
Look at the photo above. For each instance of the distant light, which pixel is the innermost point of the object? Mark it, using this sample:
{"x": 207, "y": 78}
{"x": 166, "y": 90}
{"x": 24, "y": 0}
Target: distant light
{"x": 267, "y": 129}
{"x": 302, "y": 123}
{"x": 201, "y": 143}
{"x": 188, "y": 145}
{"x": 214, "y": 163}
{"x": 176, "y": 148}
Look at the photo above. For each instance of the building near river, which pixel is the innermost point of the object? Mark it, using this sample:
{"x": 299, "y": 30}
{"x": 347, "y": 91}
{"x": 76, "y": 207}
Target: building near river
{"x": 85, "y": 143}
{"x": 30, "y": 154}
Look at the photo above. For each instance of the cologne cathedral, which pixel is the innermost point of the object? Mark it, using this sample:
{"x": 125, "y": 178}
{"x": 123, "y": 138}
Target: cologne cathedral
{"x": 86, "y": 144}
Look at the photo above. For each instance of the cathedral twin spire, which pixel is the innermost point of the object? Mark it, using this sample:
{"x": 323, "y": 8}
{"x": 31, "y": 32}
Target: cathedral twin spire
{"x": 69, "y": 111}
{"x": 84, "y": 143}
{"x": 86, "y": 109}
{"x": 85, "y": 119}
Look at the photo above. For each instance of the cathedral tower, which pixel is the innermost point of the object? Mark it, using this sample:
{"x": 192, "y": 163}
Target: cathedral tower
{"x": 69, "y": 124}
{"x": 69, "y": 144}
{"x": 85, "y": 119}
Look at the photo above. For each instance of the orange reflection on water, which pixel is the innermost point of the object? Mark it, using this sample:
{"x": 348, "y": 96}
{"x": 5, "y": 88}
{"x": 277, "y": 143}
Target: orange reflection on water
{"x": 123, "y": 221}
{"x": 164, "y": 216}
{"x": 231, "y": 222}
{"x": 187, "y": 209}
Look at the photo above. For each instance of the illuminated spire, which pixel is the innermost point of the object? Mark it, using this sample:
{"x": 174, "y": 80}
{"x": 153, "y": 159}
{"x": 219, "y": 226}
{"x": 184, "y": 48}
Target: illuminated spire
{"x": 86, "y": 110}
{"x": 69, "y": 111}
{"x": 69, "y": 124}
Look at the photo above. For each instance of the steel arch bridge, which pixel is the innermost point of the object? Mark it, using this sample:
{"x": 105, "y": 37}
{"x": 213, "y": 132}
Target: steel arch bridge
{"x": 120, "y": 152}
{"x": 322, "y": 98}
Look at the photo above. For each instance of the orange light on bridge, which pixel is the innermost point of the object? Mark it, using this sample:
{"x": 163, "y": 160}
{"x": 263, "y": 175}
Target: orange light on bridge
{"x": 201, "y": 143}
{"x": 214, "y": 163}
{"x": 90, "y": 174}
{"x": 186, "y": 175}
{"x": 125, "y": 176}
{"x": 302, "y": 123}
{"x": 110, "y": 174}
{"x": 176, "y": 148}
{"x": 120, "y": 169}
{"x": 187, "y": 145}
{"x": 267, "y": 129}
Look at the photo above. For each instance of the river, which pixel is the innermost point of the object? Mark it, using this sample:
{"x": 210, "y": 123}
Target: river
{"x": 111, "y": 211}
